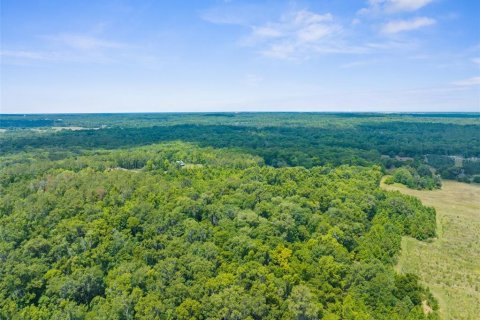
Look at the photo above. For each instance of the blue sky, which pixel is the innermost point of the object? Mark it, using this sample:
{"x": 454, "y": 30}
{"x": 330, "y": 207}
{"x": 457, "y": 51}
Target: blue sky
{"x": 159, "y": 56}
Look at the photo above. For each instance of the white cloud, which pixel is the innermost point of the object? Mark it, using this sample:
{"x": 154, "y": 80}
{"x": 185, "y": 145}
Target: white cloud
{"x": 65, "y": 47}
{"x": 82, "y": 41}
{"x": 279, "y": 50}
{"x": 301, "y": 26}
{"x": 303, "y": 17}
{"x": 470, "y": 82}
{"x": 301, "y": 34}
{"x": 354, "y": 64}
{"x": 356, "y": 21}
{"x": 27, "y": 57}
{"x": 406, "y": 5}
{"x": 394, "y": 6}
{"x": 233, "y": 14}
{"x": 397, "y": 26}
{"x": 296, "y": 32}
{"x": 267, "y": 32}
{"x": 21, "y": 54}
{"x": 314, "y": 32}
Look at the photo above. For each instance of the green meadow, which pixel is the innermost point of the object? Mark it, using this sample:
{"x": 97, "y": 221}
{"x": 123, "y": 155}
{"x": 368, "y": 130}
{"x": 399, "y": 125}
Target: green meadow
{"x": 450, "y": 264}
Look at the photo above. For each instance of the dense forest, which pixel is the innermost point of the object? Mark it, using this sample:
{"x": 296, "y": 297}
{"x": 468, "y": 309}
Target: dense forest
{"x": 282, "y": 139}
{"x": 134, "y": 234}
{"x": 220, "y": 216}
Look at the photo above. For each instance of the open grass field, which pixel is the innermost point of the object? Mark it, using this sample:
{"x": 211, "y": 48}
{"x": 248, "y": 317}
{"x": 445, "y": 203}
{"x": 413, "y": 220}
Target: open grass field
{"x": 449, "y": 265}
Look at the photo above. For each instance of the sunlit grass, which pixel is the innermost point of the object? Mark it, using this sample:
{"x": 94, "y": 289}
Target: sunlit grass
{"x": 450, "y": 264}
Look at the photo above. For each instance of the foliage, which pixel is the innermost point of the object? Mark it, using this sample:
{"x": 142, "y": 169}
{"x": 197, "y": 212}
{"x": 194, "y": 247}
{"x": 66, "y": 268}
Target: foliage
{"x": 281, "y": 139}
{"x": 420, "y": 178}
{"x": 134, "y": 234}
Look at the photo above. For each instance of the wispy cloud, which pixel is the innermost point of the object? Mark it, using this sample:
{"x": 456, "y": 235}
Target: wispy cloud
{"x": 83, "y": 41}
{"x": 22, "y": 54}
{"x": 470, "y": 82}
{"x": 65, "y": 47}
{"x": 295, "y": 32}
{"x": 296, "y": 27}
{"x": 232, "y": 14}
{"x": 28, "y": 57}
{"x": 393, "y": 6}
{"x": 355, "y": 64}
{"x": 299, "y": 34}
{"x": 397, "y": 26}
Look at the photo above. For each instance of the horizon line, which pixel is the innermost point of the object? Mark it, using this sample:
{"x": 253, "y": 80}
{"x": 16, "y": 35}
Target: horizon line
{"x": 240, "y": 112}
